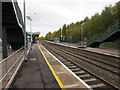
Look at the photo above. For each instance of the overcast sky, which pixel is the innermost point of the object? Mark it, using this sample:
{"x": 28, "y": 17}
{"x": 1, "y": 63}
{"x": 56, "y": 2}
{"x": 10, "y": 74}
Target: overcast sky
{"x": 53, "y": 14}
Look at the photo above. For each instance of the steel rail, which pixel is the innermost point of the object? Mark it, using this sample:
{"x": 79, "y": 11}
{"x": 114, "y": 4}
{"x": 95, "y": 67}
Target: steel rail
{"x": 92, "y": 63}
{"x": 92, "y": 58}
{"x": 83, "y": 68}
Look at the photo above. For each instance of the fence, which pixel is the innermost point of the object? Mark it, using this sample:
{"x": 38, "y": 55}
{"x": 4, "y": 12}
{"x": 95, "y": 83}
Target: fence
{"x": 9, "y": 65}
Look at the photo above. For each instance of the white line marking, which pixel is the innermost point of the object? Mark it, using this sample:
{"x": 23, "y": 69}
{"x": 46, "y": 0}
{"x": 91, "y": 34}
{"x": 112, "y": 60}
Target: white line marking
{"x": 33, "y": 59}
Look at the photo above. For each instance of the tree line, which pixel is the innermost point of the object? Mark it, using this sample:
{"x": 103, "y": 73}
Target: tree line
{"x": 92, "y": 27}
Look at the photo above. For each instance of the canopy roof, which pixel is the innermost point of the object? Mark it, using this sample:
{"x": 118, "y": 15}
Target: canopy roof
{"x": 11, "y": 14}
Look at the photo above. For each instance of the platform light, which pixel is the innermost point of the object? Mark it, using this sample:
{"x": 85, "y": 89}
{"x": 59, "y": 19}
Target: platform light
{"x": 29, "y": 18}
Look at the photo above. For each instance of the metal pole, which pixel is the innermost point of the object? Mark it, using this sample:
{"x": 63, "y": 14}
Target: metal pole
{"x": 31, "y": 30}
{"x": 25, "y": 39}
{"x": 82, "y": 37}
{"x": 61, "y": 34}
{"x": 29, "y": 18}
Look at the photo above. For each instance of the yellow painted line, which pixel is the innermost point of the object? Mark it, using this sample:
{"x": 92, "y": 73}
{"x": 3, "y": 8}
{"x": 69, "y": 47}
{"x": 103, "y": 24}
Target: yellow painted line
{"x": 52, "y": 70}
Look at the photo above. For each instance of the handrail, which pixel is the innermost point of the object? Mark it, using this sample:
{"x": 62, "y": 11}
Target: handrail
{"x": 12, "y": 65}
{"x": 110, "y": 29}
{"x": 10, "y": 68}
{"x": 11, "y": 55}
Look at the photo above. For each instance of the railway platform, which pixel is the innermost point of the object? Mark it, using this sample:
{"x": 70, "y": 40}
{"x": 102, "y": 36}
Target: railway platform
{"x": 97, "y": 69}
{"x": 43, "y": 70}
{"x": 35, "y": 73}
{"x": 107, "y": 51}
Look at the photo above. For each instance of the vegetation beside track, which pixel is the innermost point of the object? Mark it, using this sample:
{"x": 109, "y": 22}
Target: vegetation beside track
{"x": 92, "y": 27}
{"x": 114, "y": 44}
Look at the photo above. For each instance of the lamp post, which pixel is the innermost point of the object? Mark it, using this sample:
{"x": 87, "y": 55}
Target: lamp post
{"x": 29, "y": 18}
{"x": 61, "y": 34}
{"x": 82, "y": 38}
{"x": 24, "y": 28}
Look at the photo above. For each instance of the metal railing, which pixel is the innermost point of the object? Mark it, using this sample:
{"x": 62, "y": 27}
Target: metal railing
{"x": 8, "y": 66}
{"x": 109, "y": 30}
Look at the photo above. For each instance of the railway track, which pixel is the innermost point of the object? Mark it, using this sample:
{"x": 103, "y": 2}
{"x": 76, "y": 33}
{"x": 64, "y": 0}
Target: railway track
{"x": 91, "y": 70}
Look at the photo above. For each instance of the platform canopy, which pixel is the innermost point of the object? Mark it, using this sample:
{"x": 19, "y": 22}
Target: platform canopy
{"x": 11, "y": 14}
{"x": 12, "y": 22}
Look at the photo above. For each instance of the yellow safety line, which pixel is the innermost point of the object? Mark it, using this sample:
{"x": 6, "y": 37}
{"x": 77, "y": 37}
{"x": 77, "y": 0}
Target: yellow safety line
{"x": 52, "y": 70}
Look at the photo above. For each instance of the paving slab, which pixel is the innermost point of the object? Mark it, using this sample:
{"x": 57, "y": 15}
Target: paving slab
{"x": 35, "y": 73}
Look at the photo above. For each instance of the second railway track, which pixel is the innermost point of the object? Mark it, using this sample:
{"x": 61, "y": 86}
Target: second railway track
{"x": 96, "y": 73}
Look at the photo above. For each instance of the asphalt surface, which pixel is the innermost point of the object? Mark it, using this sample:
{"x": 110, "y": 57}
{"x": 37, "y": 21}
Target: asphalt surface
{"x": 35, "y": 73}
